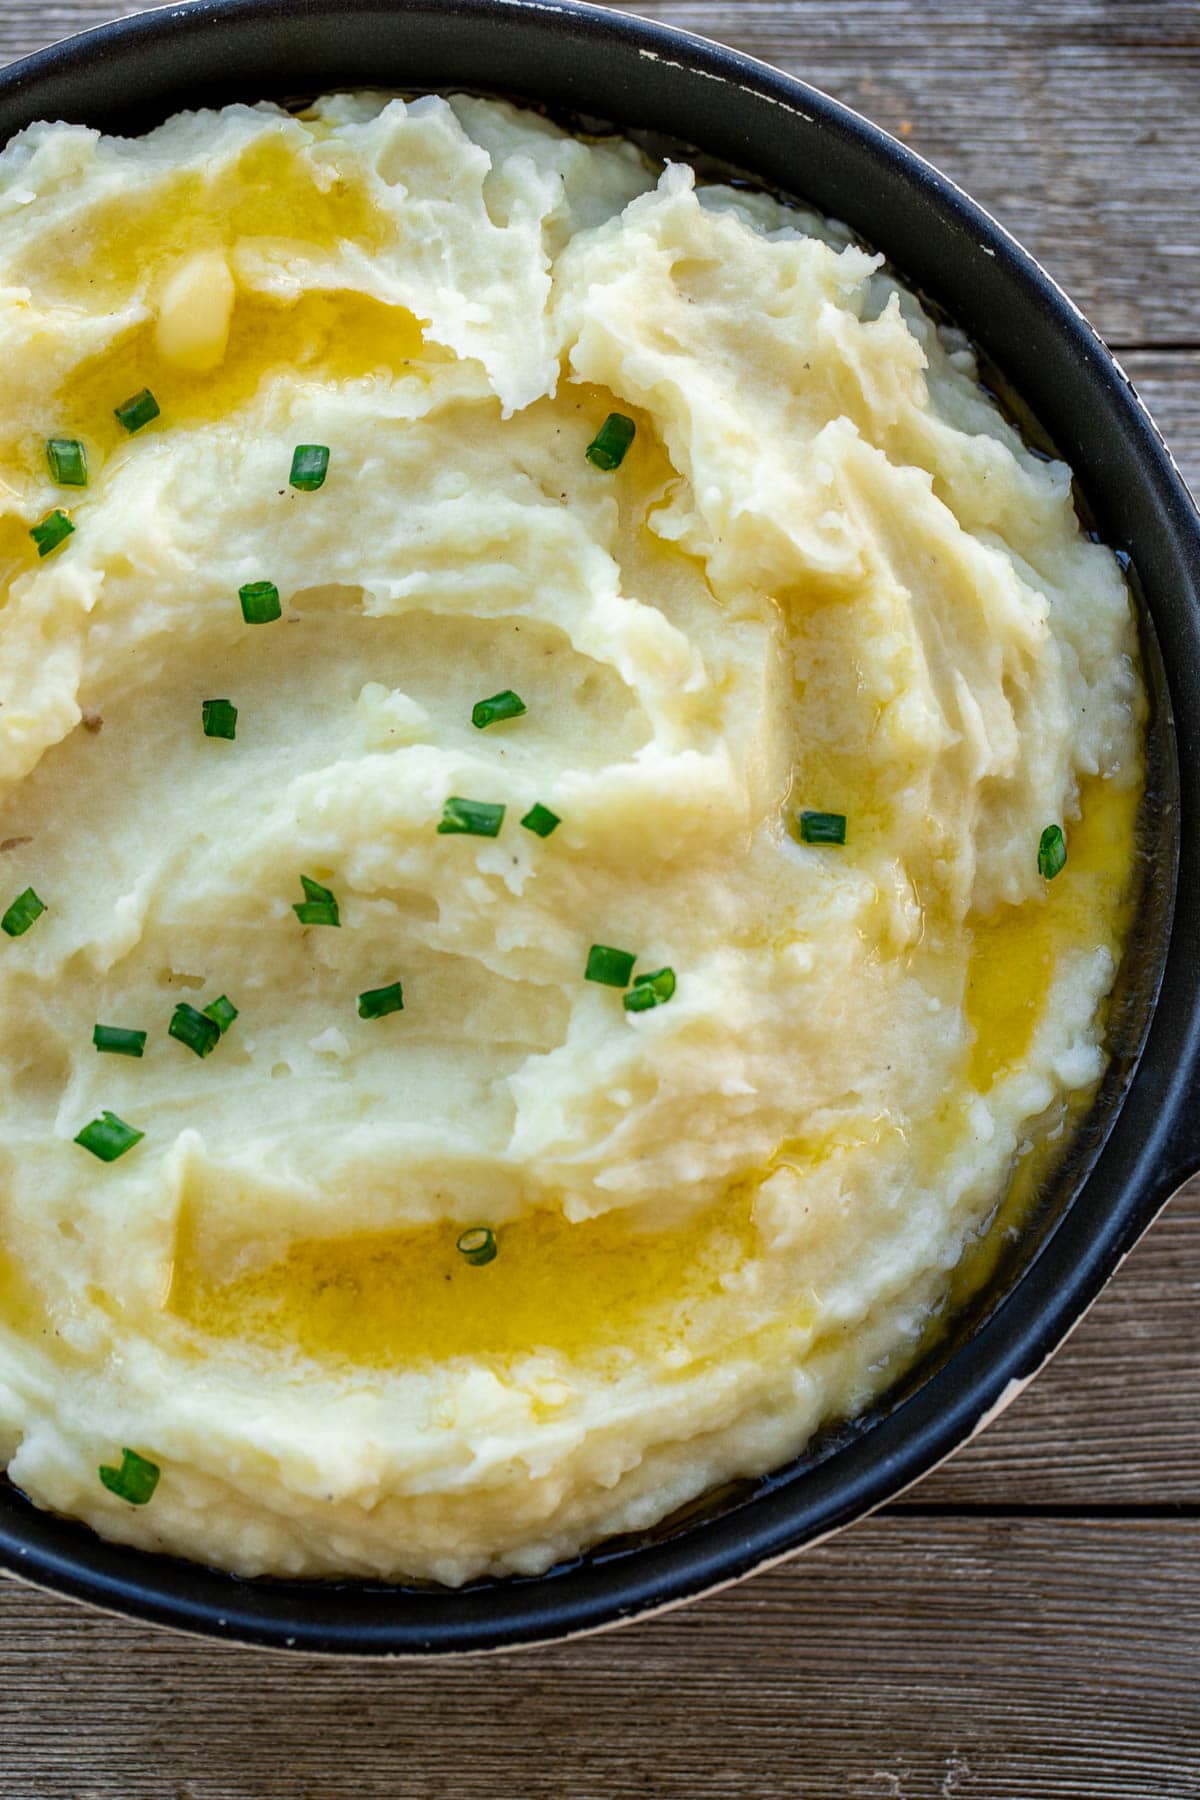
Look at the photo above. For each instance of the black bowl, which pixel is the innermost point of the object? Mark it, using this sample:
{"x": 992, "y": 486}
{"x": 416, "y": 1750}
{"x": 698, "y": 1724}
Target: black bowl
{"x": 1140, "y": 1140}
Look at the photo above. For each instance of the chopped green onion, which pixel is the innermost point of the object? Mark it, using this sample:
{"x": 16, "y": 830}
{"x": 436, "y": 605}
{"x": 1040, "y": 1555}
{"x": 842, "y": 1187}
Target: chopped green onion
{"x": 310, "y": 465}
{"x": 260, "y": 602}
{"x": 607, "y": 449}
{"x": 612, "y": 967}
{"x": 318, "y": 906}
{"x": 137, "y": 411}
{"x": 222, "y": 1012}
{"x": 1052, "y": 852}
{"x": 219, "y": 718}
{"x": 118, "y": 1042}
{"x": 501, "y": 706}
{"x": 478, "y": 1245}
{"x": 822, "y": 828}
{"x": 650, "y": 990}
{"x": 109, "y": 1137}
{"x": 479, "y": 818}
{"x": 135, "y": 1480}
{"x": 377, "y": 1003}
{"x": 194, "y": 1029}
{"x": 539, "y": 818}
{"x": 21, "y": 914}
{"x": 68, "y": 462}
{"x": 53, "y": 530}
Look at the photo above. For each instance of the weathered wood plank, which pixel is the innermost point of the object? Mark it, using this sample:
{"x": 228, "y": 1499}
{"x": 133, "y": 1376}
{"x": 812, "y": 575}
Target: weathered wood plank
{"x": 1076, "y": 124}
{"x": 979, "y": 1660}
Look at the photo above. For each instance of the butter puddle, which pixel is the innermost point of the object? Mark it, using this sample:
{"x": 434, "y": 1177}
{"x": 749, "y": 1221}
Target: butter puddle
{"x": 1088, "y": 906}
{"x": 406, "y": 1297}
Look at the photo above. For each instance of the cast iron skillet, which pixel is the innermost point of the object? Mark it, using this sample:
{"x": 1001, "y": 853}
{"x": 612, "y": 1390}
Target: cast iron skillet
{"x": 1140, "y": 1140}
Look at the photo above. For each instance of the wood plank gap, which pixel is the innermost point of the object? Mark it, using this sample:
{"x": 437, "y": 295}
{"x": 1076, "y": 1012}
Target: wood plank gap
{"x": 1175, "y": 347}
{"x": 1116, "y": 1512}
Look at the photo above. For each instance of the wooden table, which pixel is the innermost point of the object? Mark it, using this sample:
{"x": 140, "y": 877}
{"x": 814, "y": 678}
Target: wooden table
{"x": 1023, "y": 1626}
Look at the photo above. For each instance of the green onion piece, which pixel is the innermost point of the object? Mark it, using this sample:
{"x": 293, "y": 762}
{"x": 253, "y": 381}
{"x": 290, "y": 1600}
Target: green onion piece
{"x": 137, "y": 411}
{"x": 501, "y": 706}
{"x": 377, "y": 1003}
{"x": 310, "y": 465}
{"x": 612, "y": 967}
{"x": 53, "y": 530}
{"x": 650, "y": 990}
{"x": 260, "y": 602}
{"x": 539, "y": 818}
{"x": 607, "y": 449}
{"x": 1052, "y": 852}
{"x": 219, "y": 718}
{"x": 318, "y": 906}
{"x": 478, "y": 1245}
{"x": 135, "y": 1480}
{"x": 222, "y": 1012}
{"x": 21, "y": 914}
{"x": 118, "y": 1042}
{"x": 822, "y": 828}
{"x": 68, "y": 462}
{"x": 109, "y": 1137}
{"x": 479, "y": 818}
{"x": 195, "y": 1029}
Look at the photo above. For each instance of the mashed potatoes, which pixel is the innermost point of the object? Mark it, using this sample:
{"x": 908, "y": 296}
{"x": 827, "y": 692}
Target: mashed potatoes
{"x": 826, "y": 578}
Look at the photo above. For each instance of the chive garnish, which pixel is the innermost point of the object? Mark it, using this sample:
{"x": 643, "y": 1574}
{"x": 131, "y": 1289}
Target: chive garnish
{"x": 135, "y": 1480}
{"x": 478, "y": 1245}
{"x": 260, "y": 602}
{"x": 117, "y": 1041}
{"x": 222, "y": 1012}
{"x": 479, "y": 818}
{"x": 68, "y": 462}
{"x": 822, "y": 828}
{"x": 650, "y": 990}
{"x": 310, "y": 465}
{"x": 607, "y": 449}
{"x": 21, "y": 914}
{"x": 539, "y": 818}
{"x": 109, "y": 1137}
{"x": 1052, "y": 852}
{"x": 53, "y": 530}
{"x": 377, "y": 1003}
{"x": 194, "y": 1029}
{"x": 318, "y": 906}
{"x": 506, "y": 705}
{"x": 612, "y": 967}
{"x": 219, "y": 718}
{"x": 137, "y": 411}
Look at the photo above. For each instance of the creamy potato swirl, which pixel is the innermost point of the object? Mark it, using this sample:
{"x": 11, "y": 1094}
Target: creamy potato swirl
{"x": 826, "y": 577}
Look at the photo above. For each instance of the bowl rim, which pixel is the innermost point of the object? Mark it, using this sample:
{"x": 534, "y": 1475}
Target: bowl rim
{"x": 1067, "y": 1273}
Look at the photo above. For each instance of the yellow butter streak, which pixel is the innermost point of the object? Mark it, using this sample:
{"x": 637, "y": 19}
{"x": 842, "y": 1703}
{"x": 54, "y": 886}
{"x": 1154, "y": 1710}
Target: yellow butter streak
{"x": 1087, "y": 906}
{"x": 124, "y": 242}
{"x": 402, "y": 1298}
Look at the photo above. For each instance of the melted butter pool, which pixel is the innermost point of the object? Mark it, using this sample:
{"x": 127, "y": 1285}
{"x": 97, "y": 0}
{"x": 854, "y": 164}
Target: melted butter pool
{"x": 1014, "y": 953}
{"x": 405, "y": 1297}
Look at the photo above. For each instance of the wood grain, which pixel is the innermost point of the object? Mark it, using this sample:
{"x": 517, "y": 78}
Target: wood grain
{"x": 1077, "y": 124}
{"x": 908, "y": 1660}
